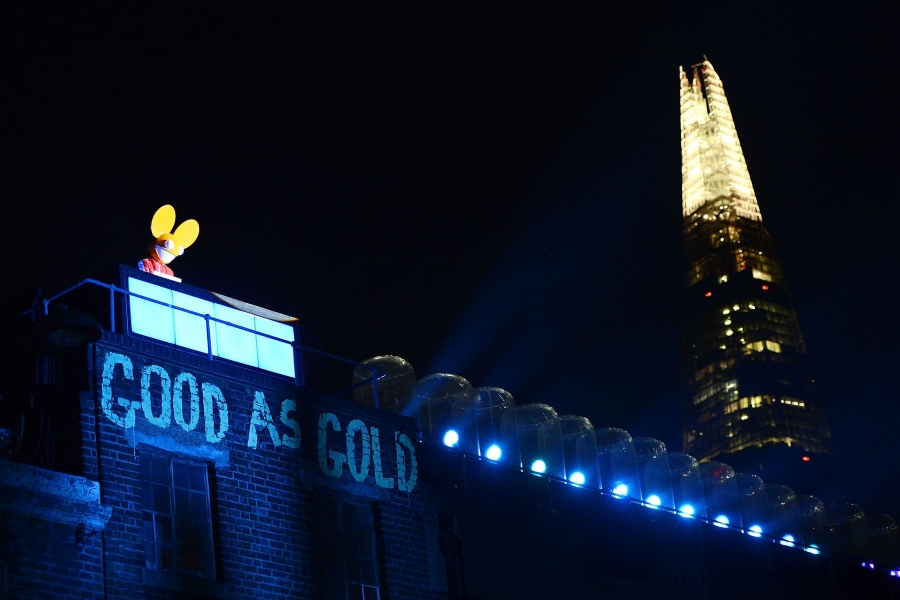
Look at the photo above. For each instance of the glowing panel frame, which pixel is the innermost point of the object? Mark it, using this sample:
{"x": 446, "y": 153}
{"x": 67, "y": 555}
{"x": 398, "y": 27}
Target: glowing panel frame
{"x": 233, "y": 334}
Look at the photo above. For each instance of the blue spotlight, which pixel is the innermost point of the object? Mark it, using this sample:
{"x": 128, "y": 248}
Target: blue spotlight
{"x": 787, "y": 540}
{"x": 721, "y": 521}
{"x": 654, "y": 501}
{"x": 451, "y": 438}
{"x": 493, "y": 452}
{"x": 813, "y": 549}
{"x": 576, "y": 477}
{"x": 686, "y": 510}
{"x": 620, "y": 490}
{"x": 754, "y": 531}
{"x": 539, "y": 466}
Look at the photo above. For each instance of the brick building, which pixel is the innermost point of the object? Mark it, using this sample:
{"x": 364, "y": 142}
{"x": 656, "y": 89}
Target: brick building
{"x": 154, "y": 464}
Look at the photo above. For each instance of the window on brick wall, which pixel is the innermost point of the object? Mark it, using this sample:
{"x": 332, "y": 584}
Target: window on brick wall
{"x": 175, "y": 502}
{"x": 349, "y": 549}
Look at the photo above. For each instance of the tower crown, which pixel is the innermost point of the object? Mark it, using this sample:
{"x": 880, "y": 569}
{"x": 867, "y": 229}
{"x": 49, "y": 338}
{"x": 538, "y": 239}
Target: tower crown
{"x": 713, "y": 169}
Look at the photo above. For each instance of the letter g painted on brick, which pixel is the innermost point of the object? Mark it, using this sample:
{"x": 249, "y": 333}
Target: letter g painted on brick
{"x": 337, "y": 458}
{"x": 109, "y": 366}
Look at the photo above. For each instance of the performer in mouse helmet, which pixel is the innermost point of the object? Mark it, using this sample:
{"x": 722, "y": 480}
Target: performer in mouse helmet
{"x": 168, "y": 244}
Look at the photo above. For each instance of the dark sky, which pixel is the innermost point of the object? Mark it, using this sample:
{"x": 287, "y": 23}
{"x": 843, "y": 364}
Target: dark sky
{"x": 493, "y": 192}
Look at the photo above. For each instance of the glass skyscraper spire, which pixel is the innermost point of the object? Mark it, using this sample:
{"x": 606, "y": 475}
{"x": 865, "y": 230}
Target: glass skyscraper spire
{"x": 744, "y": 359}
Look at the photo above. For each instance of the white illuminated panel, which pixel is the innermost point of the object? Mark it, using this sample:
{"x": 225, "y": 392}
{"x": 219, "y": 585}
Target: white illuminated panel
{"x": 187, "y": 330}
{"x": 190, "y": 330}
{"x": 274, "y": 355}
{"x": 235, "y": 344}
{"x": 148, "y": 318}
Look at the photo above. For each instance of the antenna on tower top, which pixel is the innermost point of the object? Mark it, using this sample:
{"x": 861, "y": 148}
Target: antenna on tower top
{"x": 702, "y": 66}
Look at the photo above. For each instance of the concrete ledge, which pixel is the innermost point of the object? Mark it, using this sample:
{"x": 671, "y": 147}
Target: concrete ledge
{"x": 176, "y": 440}
{"x": 38, "y": 493}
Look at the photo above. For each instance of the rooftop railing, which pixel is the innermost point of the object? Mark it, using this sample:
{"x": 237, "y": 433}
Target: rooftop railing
{"x": 211, "y": 324}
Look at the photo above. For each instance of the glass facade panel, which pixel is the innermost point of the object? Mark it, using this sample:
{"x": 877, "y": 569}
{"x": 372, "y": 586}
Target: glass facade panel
{"x": 272, "y": 354}
{"x": 236, "y": 344}
{"x": 148, "y": 318}
{"x": 167, "y": 324}
{"x": 190, "y": 330}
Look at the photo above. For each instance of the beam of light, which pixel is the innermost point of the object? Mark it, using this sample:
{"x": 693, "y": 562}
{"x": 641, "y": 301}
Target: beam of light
{"x": 721, "y": 521}
{"x": 510, "y": 327}
{"x": 493, "y": 452}
{"x": 451, "y": 438}
{"x": 654, "y": 501}
{"x": 620, "y": 490}
{"x": 539, "y": 466}
{"x": 813, "y": 549}
{"x": 787, "y": 540}
{"x": 576, "y": 477}
{"x": 686, "y": 510}
{"x": 754, "y": 531}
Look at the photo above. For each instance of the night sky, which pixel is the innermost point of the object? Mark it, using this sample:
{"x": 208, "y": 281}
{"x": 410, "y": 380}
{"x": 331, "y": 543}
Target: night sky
{"x": 492, "y": 192}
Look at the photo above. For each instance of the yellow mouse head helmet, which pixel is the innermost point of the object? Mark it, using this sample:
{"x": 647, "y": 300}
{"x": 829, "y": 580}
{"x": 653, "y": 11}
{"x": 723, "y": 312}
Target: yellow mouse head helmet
{"x": 169, "y": 245}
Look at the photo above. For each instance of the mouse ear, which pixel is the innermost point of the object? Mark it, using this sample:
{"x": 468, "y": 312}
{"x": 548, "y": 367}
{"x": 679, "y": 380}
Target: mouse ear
{"x": 187, "y": 233}
{"x": 163, "y": 220}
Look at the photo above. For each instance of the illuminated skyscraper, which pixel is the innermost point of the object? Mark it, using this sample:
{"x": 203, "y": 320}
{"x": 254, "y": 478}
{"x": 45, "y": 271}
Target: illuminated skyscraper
{"x": 744, "y": 358}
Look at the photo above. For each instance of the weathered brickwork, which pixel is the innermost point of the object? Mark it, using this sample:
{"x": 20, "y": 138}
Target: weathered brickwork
{"x": 271, "y": 447}
{"x": 265, "y": 477}
{"x": 299, "y": 483}
{"x": 45, "y": 560}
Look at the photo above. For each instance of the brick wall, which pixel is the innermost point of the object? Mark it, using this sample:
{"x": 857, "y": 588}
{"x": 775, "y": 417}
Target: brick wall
{"x": 272, "y": 494}
{"x": 265, "y": 524}
{"x": 45, "y": 560}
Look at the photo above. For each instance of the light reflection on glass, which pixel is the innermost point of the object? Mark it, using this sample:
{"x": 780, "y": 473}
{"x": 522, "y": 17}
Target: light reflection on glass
{"x": 493, "y": 453}
{"x": 451, "y": 438}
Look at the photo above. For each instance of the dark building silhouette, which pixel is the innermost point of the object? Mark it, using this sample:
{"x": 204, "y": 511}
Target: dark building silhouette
{"x": 179, "y": 451}
{"x": 191, "y": 447}
{"x": 745, "y": 364}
